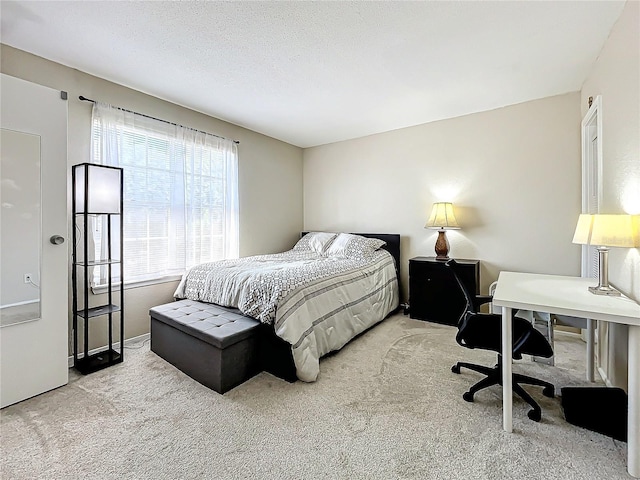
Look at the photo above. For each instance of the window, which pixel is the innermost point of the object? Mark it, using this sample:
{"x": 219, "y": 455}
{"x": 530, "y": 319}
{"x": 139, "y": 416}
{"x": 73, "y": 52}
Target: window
{"x": 180, "y": 193}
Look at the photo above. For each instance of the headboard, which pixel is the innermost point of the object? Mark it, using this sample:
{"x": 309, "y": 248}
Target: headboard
{"x": 392, "y": 246}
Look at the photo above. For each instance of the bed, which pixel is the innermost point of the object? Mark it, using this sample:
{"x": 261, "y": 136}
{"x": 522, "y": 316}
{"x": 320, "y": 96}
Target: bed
{"x": 311, "y": 300}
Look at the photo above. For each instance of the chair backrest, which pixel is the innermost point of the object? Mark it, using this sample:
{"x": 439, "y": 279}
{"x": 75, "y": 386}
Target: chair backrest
{"x": 455, "y": 269}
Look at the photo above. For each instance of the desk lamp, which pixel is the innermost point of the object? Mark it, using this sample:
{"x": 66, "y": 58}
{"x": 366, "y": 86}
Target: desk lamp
{"x": 606, "y": 231}
{"x": 442, "y": 219}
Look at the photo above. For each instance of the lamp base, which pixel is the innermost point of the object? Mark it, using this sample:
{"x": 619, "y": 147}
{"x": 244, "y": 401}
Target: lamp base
{"x": 605, "y": 290}
{"x": 442, "y": 246}
{"x": 603, "y": 287}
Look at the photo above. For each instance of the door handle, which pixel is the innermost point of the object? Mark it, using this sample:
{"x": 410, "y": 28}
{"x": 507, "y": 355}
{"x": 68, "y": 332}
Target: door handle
{"x": 56, "y": 239}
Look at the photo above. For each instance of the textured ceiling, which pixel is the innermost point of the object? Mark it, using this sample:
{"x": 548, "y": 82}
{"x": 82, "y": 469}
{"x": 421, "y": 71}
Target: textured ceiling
{"x": 311, "y": 73}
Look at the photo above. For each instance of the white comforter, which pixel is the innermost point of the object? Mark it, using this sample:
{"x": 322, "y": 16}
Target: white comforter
{"x": 316, "y": 303}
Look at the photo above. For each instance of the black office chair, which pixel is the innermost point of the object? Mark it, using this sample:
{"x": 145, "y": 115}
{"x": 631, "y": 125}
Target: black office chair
{"x": 484, "y": 331}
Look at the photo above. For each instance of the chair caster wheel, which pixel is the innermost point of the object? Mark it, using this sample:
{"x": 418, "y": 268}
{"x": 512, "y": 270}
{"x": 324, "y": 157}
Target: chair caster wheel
{"x": 455, "y": 369}
{"x": 467, "y": 396}
{"x": 534, "y": 415}
{"x": 549, "y": 392}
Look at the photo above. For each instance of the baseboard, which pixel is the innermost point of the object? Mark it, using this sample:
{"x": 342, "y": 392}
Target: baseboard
{"x": 565, "y": 333}
{"x": 19, "y": 304}
{"x": 127, "y": 342}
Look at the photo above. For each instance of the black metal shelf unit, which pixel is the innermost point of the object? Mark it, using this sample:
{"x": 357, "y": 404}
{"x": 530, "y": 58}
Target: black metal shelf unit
{"x": 97, "y": 194}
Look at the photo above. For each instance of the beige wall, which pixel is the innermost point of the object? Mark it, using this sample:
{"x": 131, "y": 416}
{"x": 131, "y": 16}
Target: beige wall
{"x": 270, "y": 171}
{"x": 513, "y": 175}
{"x": 616, "y": 76}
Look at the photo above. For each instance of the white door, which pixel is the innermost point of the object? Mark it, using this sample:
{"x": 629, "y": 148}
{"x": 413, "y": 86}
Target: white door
{"x": 34, "y": 270}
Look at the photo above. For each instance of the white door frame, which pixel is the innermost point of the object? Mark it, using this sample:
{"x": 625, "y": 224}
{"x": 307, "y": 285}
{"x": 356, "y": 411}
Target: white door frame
{"x": 591, "y": 201}
{"x": 591, "y": 124}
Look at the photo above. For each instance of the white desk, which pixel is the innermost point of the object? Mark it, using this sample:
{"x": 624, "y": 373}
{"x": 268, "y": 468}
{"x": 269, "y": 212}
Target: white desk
{"x": 569, "y": 296}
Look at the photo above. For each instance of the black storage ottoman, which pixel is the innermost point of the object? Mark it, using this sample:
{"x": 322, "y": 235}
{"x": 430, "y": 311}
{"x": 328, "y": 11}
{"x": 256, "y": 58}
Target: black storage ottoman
{"x": 599, "y": 409}
{"x": 219, "y": 347}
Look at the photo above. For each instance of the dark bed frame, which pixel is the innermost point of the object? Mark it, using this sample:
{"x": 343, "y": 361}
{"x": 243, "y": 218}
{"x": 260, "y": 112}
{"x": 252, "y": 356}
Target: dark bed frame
{"x": 275, "y": 354}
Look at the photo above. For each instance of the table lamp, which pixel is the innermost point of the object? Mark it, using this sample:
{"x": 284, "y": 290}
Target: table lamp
{"x": 442, "y": 219}
{"x": 606, "y": 231}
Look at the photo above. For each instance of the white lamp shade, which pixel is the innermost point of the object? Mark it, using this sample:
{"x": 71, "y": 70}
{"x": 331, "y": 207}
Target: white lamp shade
{"x": 103, "y": 189}
{"x": 442, "y": 217}
{"x": 608, "y": 230}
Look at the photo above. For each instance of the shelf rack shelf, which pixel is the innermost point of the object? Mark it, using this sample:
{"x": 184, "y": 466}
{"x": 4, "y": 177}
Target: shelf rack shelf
{"x": 98, "y": 361}
{"x": 97, "y": 311}
{"x": 95, "y": 263}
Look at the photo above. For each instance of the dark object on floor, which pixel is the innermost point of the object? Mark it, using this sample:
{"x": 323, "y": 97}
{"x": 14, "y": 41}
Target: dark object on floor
{"x": 599, "y": 409}
{"x": 217, "y": 347}
{"x": 484, "y": 331}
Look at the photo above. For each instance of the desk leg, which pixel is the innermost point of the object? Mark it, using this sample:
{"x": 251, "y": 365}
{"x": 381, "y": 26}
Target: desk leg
{"x": 591, "y": 354}
{"x": 507, "y": 378}
{"x": 633, "y": 422}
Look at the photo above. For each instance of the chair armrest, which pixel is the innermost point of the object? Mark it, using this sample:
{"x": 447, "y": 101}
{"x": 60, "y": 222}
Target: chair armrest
{"x": 481, "y": 300}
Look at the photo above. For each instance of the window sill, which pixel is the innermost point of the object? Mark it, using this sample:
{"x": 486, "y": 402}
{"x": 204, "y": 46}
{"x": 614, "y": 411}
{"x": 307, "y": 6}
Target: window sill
{"x": 98, "y": 289}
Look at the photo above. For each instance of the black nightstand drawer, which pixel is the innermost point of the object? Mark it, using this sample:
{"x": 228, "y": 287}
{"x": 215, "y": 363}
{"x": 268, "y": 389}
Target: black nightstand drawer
{"x": 434, "y": 294}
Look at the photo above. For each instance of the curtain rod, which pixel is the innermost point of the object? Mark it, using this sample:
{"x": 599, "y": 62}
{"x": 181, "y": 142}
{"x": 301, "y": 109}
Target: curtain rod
{"x": 85, "y": 99}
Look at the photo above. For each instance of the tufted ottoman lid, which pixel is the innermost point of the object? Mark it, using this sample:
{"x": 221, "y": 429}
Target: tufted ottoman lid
{"x": 216, "y": 325}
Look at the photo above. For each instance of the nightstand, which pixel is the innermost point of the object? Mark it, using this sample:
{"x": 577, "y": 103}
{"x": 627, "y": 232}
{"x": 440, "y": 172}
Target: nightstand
{"x": 434, "y": 294}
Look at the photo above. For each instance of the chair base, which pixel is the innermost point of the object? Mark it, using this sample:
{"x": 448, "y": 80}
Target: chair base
{"x": 493, "y": 376}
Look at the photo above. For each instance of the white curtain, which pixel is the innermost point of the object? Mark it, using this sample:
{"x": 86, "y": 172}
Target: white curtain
{"x": 180, "y": 192}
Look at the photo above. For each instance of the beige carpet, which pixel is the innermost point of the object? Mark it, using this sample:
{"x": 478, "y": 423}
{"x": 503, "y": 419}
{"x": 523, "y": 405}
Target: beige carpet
{"x": 385, "y": 407}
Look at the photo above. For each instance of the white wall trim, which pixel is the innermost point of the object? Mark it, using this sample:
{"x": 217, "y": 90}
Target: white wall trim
{"x": 127, "y": 343}
{"x": 19, "y": 304}
{"x": 98, "y": 289}
{"x": 604, "y": 377}
{"x": 593, "y": 118}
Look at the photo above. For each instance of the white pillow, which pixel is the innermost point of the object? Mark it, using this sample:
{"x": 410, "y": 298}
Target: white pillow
{"x": 353, "y": 246}
{"x": 315, "y": 242}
